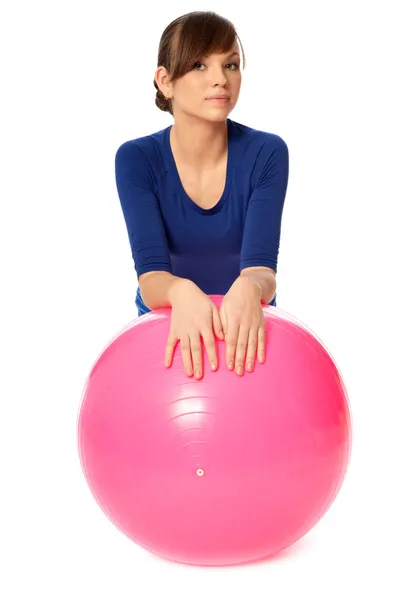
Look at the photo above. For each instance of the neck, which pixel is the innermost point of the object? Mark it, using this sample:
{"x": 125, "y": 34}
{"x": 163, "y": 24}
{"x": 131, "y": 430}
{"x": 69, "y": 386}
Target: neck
{"x": 198, "y": 142}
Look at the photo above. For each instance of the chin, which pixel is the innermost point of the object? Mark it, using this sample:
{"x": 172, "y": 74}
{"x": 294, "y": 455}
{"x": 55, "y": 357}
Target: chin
{"x": 217, "y": 118}
{"x": 212, "y": 116}
{"x": 218, "y": 115}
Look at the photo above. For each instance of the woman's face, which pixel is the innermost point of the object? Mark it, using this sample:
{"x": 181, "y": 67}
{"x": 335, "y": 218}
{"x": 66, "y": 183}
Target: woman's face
{"x": 214, "y": 75}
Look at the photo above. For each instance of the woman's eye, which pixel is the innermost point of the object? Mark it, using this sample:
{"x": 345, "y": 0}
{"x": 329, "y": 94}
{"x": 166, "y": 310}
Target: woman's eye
{"x": 197, "y": 66}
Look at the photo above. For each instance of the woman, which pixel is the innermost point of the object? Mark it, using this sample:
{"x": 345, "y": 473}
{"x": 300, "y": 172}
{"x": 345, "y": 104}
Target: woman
{"x": 203, "y": 199}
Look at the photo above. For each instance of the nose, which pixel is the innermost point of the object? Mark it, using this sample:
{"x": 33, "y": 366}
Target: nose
{"x": 218, "y": 77}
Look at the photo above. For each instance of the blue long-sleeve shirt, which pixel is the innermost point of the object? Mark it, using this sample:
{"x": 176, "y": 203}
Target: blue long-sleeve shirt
{"x": 169, "y": 232}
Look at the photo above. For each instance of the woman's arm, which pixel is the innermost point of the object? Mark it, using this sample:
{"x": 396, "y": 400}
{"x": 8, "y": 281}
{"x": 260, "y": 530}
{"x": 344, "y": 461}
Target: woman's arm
{"x": 241, "y": 313}
{"x": 145, "y": 227}
{"x": 194, "y": 316}
{"x": 261, "y": 237}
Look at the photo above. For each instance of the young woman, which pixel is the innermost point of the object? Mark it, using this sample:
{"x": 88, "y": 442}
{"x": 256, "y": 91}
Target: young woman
{"x": 202, "y": 200}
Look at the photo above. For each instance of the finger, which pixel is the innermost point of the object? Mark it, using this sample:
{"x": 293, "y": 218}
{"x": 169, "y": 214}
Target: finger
{"x": 224, "y": 322}
{"x": 210, "y": 345}
{"x": 230, "y": 349}
{"x": 241, "y": 348}
{"x": 196, "y": 351}
{"x": 217, "y": 324}
{"x": 186, "y": 355}
{"x": 251, "y": 348}
{"x": 170, "y": 346}
{"x": 261, "y": 344}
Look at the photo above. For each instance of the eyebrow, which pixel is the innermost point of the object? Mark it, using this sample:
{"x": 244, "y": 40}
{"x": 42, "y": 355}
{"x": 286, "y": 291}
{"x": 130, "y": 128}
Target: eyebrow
{"x": 233, "y": 54}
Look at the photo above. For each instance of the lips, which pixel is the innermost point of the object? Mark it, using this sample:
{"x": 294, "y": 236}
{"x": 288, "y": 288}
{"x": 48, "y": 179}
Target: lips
{"x": 219, "y": 97}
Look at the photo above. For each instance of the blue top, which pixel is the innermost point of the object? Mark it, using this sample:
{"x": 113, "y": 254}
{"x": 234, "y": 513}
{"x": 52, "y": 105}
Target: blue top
{"x": 169, "y": 232}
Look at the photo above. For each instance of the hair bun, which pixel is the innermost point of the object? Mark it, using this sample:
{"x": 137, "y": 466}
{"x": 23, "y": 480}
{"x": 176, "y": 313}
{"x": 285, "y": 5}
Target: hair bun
{"x": 161, "y": 102}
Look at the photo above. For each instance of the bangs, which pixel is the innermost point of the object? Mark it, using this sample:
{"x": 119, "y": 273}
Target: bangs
{"x": 200, "y": 35}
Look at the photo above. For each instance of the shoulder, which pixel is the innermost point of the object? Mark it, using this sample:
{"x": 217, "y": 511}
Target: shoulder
{"x": 141, "y": 151}
{"x": 255, "y": 148}
{"x": 246, "y": 135}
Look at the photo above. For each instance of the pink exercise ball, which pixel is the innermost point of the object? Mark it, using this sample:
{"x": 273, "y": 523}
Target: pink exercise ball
{"x": 222, "y": 471}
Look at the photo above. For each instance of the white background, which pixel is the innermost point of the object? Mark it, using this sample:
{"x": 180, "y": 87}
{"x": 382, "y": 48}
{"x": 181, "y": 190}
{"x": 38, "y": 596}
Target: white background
{"x": 77, "y": 82}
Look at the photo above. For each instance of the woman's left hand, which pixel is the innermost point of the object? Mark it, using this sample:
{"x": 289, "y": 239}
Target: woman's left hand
{"x": 243, "y": 322}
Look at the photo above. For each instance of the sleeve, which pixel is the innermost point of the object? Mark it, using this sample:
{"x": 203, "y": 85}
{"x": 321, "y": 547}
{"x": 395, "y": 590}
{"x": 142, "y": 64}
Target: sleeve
{"x": 261, "y": 235}
{"x": 141, "y": 210}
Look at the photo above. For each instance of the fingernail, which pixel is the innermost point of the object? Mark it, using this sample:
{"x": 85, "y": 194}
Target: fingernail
{"x": 249, "y": 366}
{"x": 239, "y": 370}
{"x": 213, "y": 366}
{"x": 230, "y": 365}
{"x": 262, "y": 358}
{"x": 197, "y": 374}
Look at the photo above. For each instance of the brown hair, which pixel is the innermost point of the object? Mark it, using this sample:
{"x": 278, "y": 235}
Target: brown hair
{"x": 188, "y": 38}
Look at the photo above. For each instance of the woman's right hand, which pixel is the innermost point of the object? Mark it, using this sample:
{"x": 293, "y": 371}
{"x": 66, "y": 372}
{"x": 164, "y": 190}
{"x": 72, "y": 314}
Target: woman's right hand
{"x": 193, "y": 316}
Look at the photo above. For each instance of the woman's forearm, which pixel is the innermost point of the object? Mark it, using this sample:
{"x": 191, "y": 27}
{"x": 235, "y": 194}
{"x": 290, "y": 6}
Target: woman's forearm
{"x": 158, "y": 288}
{"x": 264, "y": 278}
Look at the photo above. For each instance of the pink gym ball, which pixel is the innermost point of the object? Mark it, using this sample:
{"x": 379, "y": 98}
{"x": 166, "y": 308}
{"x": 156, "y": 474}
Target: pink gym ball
{"x": 222, "y": 471}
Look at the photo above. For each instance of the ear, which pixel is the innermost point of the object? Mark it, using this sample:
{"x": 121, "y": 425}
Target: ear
{"x": 162, "y": 80}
